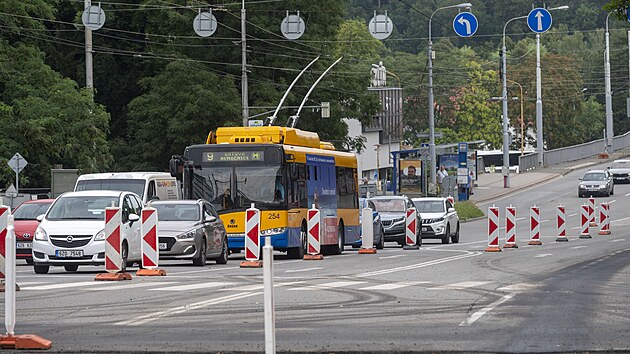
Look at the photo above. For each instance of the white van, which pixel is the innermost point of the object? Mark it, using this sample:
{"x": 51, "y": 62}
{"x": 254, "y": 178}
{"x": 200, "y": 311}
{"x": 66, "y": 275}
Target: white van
{"x": 144, "y": 184}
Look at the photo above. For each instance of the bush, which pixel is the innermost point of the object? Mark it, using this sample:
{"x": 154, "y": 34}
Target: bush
{"x": 467, "y": 210}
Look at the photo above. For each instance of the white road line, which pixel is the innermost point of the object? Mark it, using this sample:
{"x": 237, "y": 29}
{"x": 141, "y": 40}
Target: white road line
{"x": 574, "y": 214}
{"x": 245, "y": 288}
{"x": 302, "y": 270}
{"x": 63, "y": 285}
{"x": 517, "y": 287}
{"x": 577, "y": 247}
{"x": 618, "y": 240}
{"x": 192, "y": 286}
{"x": 544, "y": 221}
{"x": 627, "y": 195}
{"x": 182, "y": 309}
{"x": 127, "y": 286}
{"x": 393, "y": 286}
{"x": 418, "y": 265}
{"x": 519, "y": 219}
{"x": 395, "y": 256}
{"x": 543, "y": 255}
{"x": 477, "y": 315}
{"x": 462, "y": 285}
{"x": 332, "y": 285}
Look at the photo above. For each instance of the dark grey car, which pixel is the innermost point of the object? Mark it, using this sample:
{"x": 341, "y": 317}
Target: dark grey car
{"x": 191, "y": 229}
{"x": 393, "y": 212}
{"x": 596, "y": 183}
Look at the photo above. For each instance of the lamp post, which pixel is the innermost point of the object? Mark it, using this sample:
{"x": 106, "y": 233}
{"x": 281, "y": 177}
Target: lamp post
{"x": 431, "y": 108}
{"x": 609, "y": 113}
{"x": 522, "y": 122}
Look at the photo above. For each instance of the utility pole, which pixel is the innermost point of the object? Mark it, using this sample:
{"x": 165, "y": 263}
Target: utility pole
{"x": 539, "y": 108}
{"x": 628, "y": 99}
{"x": 609, "y": 113}
{"x": 89, "y": 71}
{"x": 243, "y": 68}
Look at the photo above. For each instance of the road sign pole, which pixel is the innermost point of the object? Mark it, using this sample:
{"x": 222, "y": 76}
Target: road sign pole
{"x": 17, "y": 177}
{"x": 539, "y": 107}
{"x": 609, "y": 112}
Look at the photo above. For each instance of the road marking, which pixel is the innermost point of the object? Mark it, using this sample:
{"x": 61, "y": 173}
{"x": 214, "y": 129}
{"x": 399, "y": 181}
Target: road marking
{"x": 618, "y": 240}
{"x": 395, "y": 256}
{"x": 577, "y": 247}
{"x": 477, "y": 315}
{"x": 574, "y": 214}
{"x": 462, "y": 285}
{"x": 63, "y": 285}
{"x": 544, "y": 221}
{"x": 127, "y": 286}
{"x": 627, "y": 195}
{"x": 517, "y": 287}
{"x": 192, "y": 286}
{"x": 332, "y": 285}
{"x": 182, "y": 309}
{"x": 302, "y": 270}
{"x": 418, "y": 265}
{"x": 393, "y": 286}
{"x": 519, "y": 219}
{"x": 543, "y": 255}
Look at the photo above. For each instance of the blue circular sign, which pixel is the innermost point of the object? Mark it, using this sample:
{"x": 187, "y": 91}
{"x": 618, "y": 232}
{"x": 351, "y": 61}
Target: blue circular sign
{"x": 465, "y": 24}
{"x": 539, "y": 20}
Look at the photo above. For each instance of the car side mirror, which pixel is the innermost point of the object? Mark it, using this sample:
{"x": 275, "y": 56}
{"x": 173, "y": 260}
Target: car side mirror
{"x": 40, "y": 217}
{"x": 580, "y": 178}
{"x": 211, "y": 218}
{"x": 133, "y": 218}
{"x": 451, "y": 210}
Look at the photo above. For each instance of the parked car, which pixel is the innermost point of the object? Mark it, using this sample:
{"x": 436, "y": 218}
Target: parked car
{"x": 25, "y": 216}
{"x": 72, "y": 232}
{"x": 377, "y": 224}
{"x": 620, "y": 170}
{"x": 439, "y": 219}
{"x": 393, "y": 212}
{"x": 596, "y": 182}
{"x": 190, "y": 229}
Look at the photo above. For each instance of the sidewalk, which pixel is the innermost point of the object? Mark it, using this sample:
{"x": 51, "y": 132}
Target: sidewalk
{"x": 489, "y": 186}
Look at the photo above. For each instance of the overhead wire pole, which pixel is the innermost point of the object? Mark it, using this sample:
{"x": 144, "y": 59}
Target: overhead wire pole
{"x": 89, "y": 66}
{"x": 609, "y": 113}
{"x": 244, "y": 92}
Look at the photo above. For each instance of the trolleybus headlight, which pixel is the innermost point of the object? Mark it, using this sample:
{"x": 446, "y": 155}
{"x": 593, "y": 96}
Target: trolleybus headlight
{"x": 271, "y": 232}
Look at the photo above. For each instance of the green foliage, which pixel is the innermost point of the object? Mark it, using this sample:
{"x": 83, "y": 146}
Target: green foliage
{"x": 467, "y": 210}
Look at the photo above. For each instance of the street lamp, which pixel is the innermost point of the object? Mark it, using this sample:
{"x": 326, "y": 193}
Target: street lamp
{"x": 522, "y": 122}
{"x": 431, "y": 108}
{"x": 609, "y": 113}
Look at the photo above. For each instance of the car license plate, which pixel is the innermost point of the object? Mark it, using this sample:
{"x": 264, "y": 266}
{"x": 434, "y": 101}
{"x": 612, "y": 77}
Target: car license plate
{"x": 163, "y": 246}
{"x": 24, "y": 245}
{"x": 69, "y": 254}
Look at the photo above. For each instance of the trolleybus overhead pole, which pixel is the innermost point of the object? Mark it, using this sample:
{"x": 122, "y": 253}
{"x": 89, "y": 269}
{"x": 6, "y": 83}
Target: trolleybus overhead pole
{"x": 270, "y": 120}
{"x": 294, "y": 119}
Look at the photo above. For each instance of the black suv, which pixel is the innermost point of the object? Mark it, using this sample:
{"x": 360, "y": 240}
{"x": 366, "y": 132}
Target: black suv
{"x": 393, "y": 212}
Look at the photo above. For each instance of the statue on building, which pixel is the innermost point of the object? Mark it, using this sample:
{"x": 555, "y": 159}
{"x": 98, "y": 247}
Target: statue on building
{"x": 379, "y": 75}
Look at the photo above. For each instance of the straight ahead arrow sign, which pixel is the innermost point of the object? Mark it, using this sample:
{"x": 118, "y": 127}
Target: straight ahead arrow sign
{"x": 539, "y": 16}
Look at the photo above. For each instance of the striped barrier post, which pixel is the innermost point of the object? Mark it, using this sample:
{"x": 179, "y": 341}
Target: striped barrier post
{"x": 584, "y": 222}
{"x": 534, "y": 226}
{"x": 561, "y": 224}
{"x": 510, "y": 227}
{"x": 411, "y": 230}
{"x": 493, "y": 230}
{"x": 4, "y": 222}
{"x": 591, "y": 211}
{"x": 113, "y": 246}
{"x": 604, "y": 219}
{"x": 10, "y": 340}
{"x": 314, "y": 235}
{"x": 252, "y": 238}
{"x": 150, "y": 244}
{"x": 367, "y": 232}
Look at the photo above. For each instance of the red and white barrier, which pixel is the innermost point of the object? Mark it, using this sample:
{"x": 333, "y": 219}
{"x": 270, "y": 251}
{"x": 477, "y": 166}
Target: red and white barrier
{"x": 367, "y": 232}
{"x": 561, "y": 224}
{"x": 411, "y": 231}
{"x": 604, "y": 219}
{"x": 150, "y": 244}
{"x": 451, "y": 199}
{"x": 252, "y": 238}
{"x": 510, "y": 227}
{"x": 493, "y": 230}
{"x": 534, "y": 226}
{"x": 113, "y": 246}
{"x": 4, "y": 217}
{"x": 584, "y": 222}
{"x": 591, "y": 211}
{"x": 314, "y": 235}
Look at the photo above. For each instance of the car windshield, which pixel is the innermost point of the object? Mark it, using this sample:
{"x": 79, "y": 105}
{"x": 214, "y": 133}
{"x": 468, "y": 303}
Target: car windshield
{"x": 594, "y": 177}
{"x": 177, "y": 212}
{"x": 30, "y": 211}
{"x": 126, "y": 185}
{"x": 385, "y": 205}
{"x": 429, "y": 206}
{"x": 620, "y": 164}
{"x": 84, "y": 207}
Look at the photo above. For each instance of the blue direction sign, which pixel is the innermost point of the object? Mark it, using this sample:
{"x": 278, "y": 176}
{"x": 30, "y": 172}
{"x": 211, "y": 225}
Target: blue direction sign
{"x": 539, "y": 20}
{"x": 628, "y": 13}
{"x": 465, "y": 24}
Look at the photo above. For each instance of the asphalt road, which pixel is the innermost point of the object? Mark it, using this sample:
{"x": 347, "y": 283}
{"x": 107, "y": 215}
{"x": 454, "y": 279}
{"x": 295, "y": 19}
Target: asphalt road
{"x": 570, "y": 296}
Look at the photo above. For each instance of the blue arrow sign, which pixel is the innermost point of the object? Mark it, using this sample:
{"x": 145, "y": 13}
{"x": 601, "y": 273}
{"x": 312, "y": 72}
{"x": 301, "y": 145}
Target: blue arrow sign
{"x": 539, "y": 20}
{"x": 628, "y": 13}
{"x": 465, "y": 24}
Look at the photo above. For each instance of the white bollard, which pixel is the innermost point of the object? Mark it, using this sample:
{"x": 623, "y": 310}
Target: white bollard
{"x": 367, "y": 232}
{"x": 9, "y": 304}
{"x": 270, "y": 313}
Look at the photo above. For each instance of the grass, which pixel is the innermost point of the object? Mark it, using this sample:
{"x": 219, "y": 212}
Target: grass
{"x": 467, "y": 210}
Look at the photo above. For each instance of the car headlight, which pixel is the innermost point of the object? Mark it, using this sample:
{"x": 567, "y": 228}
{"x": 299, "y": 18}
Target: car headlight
{"x": 40, "y": 234}
{"x": 437, "y": 220}
{"x": 581, "y": 186}
{"x": 271, "y": 232}
{"x": 186, "y": 235}
{"x": 602, "y": 186}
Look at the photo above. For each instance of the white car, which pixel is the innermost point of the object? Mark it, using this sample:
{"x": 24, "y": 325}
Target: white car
{"x": 439, "y": 219}
{"x": 72, "y": 232}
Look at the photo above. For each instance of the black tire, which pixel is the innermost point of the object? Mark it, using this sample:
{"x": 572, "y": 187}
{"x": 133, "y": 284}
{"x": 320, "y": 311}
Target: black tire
{"x": 381, "y": 244}
{"x": 124, "y": 253}
{"x": 200, "y": 259}
{"x": 223, "y": 258}
{"x": 612, "y": 191}
{"x": 41, "y": 269}
{"x": 455, "y": 238}
{"x": 299, "y": 252}
{"x": 29, "y": 261}
{"x": 447, "y": 235}
{"x": 71, "y": 267}
{"x": 341, "y": 239}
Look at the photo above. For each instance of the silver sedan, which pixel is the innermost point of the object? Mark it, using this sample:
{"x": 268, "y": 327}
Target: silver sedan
{"x": 190, "y": 229}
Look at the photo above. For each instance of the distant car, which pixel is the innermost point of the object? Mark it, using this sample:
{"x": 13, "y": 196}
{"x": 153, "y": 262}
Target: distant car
{"x": 377, "y": 224}
{"x": 596, "y": 183}
{"x": 620, "y": 170}
{"x": 72, "y": 232}
{"x": 191, "y": 229}
{"x": 439, "y": 219}
{"x": 25, "y": 225}
{"x": 393, "y": 212}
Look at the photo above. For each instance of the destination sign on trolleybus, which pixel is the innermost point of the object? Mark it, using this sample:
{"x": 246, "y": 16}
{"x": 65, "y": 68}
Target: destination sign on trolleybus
{"x": 225, "y": 156}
